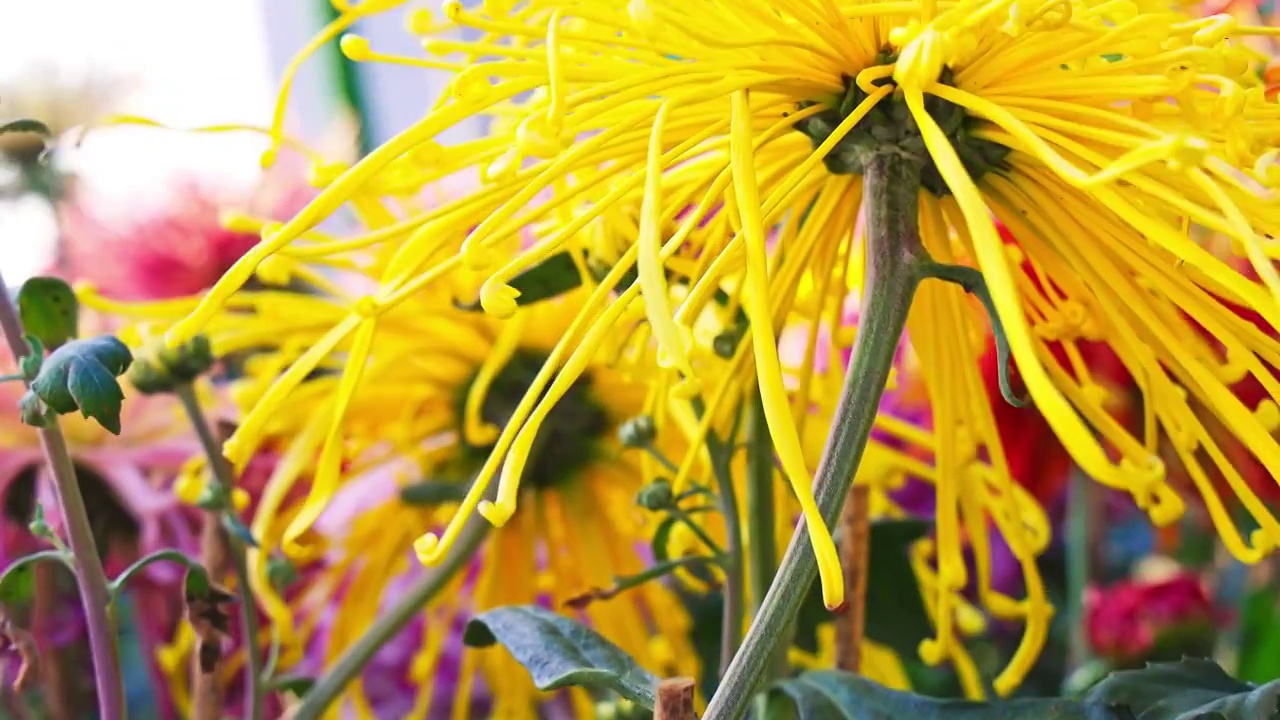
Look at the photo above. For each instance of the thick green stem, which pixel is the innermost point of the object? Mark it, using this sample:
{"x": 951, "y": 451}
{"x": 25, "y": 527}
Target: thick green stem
{"x": 353, "y": 661}
{"x": 90, "y": 577}
{"x": 1078, "y": 549}
{"x": 221, "y": 470}
{"x": 891, "y": 185}
{"x": 732, "y": 561}
{"x": 762, "y": 556}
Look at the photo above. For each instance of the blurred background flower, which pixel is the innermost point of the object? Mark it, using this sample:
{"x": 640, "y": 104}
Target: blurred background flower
{"x": 62, "y": 99}
{"x": 177, "y": 248}
{"x": 1158, "y": 616}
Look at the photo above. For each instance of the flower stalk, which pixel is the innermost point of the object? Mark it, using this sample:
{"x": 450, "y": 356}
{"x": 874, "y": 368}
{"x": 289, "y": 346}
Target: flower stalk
{"x": 1078, "y": 551}
{"x": 895, "y": 257}
{"x": 733, "y": 559}
{"x": 90, "y": 576}
{"x": 220, "y": 469}
{"x": 335, "y": 679}
{"x": 762, "y": 558}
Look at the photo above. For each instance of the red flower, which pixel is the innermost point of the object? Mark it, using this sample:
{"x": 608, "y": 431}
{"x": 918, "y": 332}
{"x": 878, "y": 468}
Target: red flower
{"x": 1039, "y": 462}
{"x": 1131, "y": 622}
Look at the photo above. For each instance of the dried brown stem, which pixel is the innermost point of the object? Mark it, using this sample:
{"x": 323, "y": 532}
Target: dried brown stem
{"x": 24, "y": 643}
{"x": 675, "y": 700}
{"x": 206, "y": 690}
{"x": 855, "y": 545}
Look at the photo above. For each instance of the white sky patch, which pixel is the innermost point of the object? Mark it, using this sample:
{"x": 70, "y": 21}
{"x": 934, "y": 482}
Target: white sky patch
{"x": 184, "y": 63}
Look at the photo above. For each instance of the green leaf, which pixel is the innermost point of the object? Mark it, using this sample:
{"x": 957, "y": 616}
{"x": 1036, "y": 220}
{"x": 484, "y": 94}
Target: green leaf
{"x": 49, "y": 310}
{"x": 16, "y": 582}
{"x": 1188, "y": 690}
{"x": 117, "y": 585}
{"x": 896, "y": 616}
{"x": 81, "y": 375}
{"x": 26, "y": 126}
{"x": 833, "y": 695}
{"x": 550, "y": 278}
{"x": 559, "y": 652}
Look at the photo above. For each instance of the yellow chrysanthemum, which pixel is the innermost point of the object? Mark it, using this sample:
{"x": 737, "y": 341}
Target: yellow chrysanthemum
{"x": 436, "y": 385}
{"x": 661, "y": 138}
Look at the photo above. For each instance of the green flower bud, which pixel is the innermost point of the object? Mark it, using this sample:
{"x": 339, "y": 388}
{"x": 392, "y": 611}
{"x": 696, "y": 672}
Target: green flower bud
{"x": 213, "y": 498}
{"x": 638, "y": 432}
{"x": 726, "y": 343}
{"x": 172, "y": 367}
{"x": 281, "y": 572}
{"x": 657, "y": 495}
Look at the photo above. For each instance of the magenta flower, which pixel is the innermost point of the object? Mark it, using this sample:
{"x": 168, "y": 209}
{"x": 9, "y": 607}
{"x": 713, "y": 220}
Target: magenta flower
{"x": 1132, "y": 622}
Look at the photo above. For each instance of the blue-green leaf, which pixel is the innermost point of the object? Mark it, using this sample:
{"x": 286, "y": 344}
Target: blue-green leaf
{"x": 49, "y": 310}
{"x": 1187, "y": 690}
{"x": 81, "y": 375}
{"x": 833, "y": 695}
{"x": 559, "y": 652}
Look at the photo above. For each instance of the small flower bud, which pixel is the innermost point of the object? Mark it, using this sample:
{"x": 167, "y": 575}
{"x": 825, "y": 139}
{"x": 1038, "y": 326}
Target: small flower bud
{"x": 726, "y": 343}
{"x": 212, "y": 497}
{"x": 638, "y": 432}
{"x": 657, "y": 495}
{"x": 31, "y": 410}
{"x": 171, "y": 367}
{"x": 281, "y": 572}
{"x": 39, "y": 526}
{"x": 149, "y": 378}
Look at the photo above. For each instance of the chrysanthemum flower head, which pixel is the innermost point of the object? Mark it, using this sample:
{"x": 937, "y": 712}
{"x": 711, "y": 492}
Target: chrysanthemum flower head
{"x": 672, "y": 140}
{"x": 434, "y": 389}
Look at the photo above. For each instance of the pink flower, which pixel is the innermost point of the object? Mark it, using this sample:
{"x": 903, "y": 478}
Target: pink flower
{"x": 180, "y": 250}
{"x": 1131, "y": 622}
